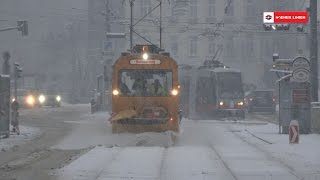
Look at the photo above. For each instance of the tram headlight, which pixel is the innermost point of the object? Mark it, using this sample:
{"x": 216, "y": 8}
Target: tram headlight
{"x": 115, "y": 92}
{"x": 174, "y": 92}
{"x": 240, "y": 103}
{"x": 221, "y": 103}
{"x": 42, "y": 98}
{"x": 58, "y": 98}
{"x": 145, "y": 56}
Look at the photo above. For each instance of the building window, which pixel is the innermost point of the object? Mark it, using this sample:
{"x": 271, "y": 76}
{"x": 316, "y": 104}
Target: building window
{"x": 193, "y": 47}
{"x": 173, "y": 2}
{"x": 212, "y": 7}
{"x": 174, "y": 48}
{"x": 145, "y": 7}
{"x": 250, "y": 46}
{"x": 229, "y": 48}
{"x": 193, "y": 8}
{"x": 267, "y": 47}
{"x": 229, "y": 9}
{"x": 212, "y": 48}
{"x": 250, "y": 9}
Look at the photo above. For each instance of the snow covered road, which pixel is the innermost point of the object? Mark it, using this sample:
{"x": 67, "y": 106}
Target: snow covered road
{"x": 204, "y": 150}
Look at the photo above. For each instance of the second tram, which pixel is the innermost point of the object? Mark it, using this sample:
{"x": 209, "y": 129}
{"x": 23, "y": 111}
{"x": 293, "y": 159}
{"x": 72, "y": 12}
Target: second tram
{"x": 216, "y": 91}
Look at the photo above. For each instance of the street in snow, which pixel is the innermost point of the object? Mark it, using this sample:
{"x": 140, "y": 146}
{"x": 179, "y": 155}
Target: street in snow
{"x": 204, "y": 150}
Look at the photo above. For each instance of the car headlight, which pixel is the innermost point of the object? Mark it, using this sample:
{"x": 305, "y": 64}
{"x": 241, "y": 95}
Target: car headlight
{"x": 42, "y": 98}
{"x": 221, "y": 103}
{"x": 13, "y": 99}
{"x": 240, "y": 103}
{"x": 58, "y": 98}
{"x": 30, "y": 100}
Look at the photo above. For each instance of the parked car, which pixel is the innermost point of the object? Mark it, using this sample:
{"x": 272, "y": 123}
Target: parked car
{"x": 261, "y": 101}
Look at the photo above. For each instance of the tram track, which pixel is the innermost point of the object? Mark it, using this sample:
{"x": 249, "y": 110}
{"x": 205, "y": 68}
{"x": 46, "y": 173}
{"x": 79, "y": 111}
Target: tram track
{"x": 216, "y": 152}
{"x": 289, "y": 168}
{"x": 268, "y": 155}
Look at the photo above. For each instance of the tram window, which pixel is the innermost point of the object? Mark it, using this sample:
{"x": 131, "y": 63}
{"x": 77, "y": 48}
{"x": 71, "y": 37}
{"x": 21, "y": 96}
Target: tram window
{"x": 230, "y": 85}
{"x": 145, "y": 82}
{"x": 206, "y": 93}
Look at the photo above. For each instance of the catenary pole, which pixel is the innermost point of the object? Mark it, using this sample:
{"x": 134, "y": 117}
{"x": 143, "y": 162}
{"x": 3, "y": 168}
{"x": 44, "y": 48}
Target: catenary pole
{"x": 314, "y": 50}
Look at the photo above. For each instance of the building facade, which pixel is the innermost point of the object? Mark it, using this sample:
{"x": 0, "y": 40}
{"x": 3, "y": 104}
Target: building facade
{"x": 230, "y": 31}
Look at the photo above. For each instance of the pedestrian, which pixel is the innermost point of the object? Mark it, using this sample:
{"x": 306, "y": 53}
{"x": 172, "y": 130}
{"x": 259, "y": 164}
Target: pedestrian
{"x": 2, "y": 113}
{"x": 15, "y": 117}
{"x": 6, "y": 63}
{"x": 156, "y": 89}
{"x": 93, "y": 105}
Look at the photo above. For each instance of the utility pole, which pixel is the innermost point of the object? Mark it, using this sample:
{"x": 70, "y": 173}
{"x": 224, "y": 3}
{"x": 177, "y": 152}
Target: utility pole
{"x": 314, "y": 50}
{"x": 131, "y": 23}
{"x": 107, "y": 16}
{"x": 105, "y": 83}
{"x": 160, "y": 24}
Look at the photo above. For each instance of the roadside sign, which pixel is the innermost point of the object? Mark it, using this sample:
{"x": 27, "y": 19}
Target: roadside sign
{"x": 300, "y": 96}
{"x": 301, "y": 62}
{"x": 283, "y": 64}
{"x": 268, "y": 17}
{"x": 286, "y": 17}
{"x": 300, "y": 75}
{"x": 294, "y": 132}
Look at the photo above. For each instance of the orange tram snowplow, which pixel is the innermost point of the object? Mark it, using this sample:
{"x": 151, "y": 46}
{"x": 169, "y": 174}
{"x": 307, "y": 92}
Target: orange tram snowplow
{"x": 145, "y": 92}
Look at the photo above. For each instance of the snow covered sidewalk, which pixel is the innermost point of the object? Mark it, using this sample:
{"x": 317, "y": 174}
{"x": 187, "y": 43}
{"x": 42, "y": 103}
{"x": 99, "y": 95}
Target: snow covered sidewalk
{"x": 302, "y": 158}
{"x": 26, "y": 133}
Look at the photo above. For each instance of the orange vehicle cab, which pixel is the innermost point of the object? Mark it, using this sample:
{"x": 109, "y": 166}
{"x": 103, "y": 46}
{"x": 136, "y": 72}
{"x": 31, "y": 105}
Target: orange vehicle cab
{"x": 145, "y": 91}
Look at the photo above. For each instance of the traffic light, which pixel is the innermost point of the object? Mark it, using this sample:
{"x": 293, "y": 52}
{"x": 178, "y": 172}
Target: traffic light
{"x": 275, "y": 57}
{"x": 267, "y": 27}
{"x": 17, "y": 70}
{"x": 23, "y": 27}
{"x": 300, "y": 28}
{"x": 281, "y": 27}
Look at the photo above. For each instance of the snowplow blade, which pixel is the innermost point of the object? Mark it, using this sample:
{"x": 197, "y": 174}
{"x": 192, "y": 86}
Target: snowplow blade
{"x": 138, "y": 128}
{"x": 124, "y": 115}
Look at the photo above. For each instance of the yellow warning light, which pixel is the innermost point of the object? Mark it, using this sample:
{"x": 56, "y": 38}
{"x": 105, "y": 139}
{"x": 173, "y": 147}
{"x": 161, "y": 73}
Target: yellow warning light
{"x": 145, "y": 48}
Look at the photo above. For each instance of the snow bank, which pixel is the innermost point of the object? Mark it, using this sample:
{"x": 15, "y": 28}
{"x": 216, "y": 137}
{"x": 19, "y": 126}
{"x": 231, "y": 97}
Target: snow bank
{"x": 26, "y": 134}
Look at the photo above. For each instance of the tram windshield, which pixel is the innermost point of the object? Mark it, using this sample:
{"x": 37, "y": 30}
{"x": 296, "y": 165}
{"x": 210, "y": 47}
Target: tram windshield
{"x": 145, "y": 82}
{"x": 230, "y": 85}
